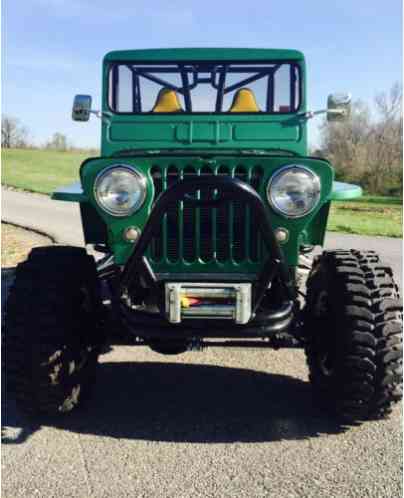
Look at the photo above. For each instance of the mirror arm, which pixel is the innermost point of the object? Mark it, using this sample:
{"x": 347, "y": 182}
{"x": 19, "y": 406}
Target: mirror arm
{"x": 100, "y": 114}
{"x": 312, "y": 114}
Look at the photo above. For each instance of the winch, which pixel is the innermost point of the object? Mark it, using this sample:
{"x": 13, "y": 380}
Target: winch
{"x": 208, "y": 300}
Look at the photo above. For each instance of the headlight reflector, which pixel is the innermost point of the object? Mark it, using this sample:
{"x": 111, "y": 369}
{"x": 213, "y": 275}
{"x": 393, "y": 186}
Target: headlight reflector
{"x": 294, "y": 191}
{"x": 120, "y": 190}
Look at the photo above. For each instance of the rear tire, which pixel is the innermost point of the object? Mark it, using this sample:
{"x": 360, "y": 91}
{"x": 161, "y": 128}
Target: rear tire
{"x": 353, "y": 323}
{"x": 53, "y": 330}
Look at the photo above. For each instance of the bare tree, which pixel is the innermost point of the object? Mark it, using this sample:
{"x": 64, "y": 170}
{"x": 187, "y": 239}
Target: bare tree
{"x": 344, "y": 142}
{"x": 385, "y": 142}
{"x": 366, "y": 150}
{"x": 57, "y": 142}
{"x": 13, "y": 134}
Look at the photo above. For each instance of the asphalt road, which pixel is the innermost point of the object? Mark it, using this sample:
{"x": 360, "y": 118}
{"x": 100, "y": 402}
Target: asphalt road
{"x": 60, "y": 220}
{"x": 220, "y": 423}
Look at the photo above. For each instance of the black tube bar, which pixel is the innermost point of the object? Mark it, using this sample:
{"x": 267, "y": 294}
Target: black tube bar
{"x": 230, "y": 188}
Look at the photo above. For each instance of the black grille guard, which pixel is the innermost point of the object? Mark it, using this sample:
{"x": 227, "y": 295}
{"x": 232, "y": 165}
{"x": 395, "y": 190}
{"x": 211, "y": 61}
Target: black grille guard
{"x": 228, "y": 189}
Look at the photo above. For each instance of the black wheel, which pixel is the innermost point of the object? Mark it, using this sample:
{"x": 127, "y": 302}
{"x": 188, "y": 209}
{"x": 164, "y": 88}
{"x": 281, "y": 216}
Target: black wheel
{"x": 53, "y": 330}
{"x": 353, "y": 324}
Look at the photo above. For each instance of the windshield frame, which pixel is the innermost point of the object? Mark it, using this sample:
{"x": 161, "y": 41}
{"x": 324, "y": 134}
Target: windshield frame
{"x": 263, "y": 69}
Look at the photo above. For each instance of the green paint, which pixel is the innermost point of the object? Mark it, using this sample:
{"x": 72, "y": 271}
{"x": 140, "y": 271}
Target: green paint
{"x": 203, "y": 54}
{"x": 269, "y": 165}
{"x": 191, "y": 131}
{"x": 205, "y": 140}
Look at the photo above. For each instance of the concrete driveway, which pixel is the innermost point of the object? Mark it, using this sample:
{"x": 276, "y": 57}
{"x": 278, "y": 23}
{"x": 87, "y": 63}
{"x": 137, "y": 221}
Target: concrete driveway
{"x": 222, "y": 423}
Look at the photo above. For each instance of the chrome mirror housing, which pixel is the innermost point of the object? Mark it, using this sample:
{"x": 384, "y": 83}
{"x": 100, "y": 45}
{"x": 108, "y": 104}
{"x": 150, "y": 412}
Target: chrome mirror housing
{"x": 338, "y": 106}
{"x": 81, "y": 107}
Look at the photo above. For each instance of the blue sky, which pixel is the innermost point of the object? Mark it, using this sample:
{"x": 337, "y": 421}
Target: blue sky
{"x": 52, "y": 49}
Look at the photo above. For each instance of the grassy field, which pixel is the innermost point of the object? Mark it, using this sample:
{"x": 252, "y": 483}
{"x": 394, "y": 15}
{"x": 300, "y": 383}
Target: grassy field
{"x": 368, "y": 215}
{"x": 44, "y": 170}
{"x": 40, "y": 170}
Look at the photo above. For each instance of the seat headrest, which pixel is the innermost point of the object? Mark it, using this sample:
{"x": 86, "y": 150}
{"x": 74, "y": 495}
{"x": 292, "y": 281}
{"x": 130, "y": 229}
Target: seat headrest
{"x": 244, "y": 101}
{"x": 167, "y": 101}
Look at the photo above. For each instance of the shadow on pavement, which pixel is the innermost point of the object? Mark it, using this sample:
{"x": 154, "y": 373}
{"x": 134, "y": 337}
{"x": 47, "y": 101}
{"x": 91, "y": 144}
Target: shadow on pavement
{"x": 190, "y": 403}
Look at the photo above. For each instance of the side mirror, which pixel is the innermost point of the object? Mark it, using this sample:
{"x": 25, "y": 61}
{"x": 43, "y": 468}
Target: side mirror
{"x": 338, "y": 106}
{"x": 81, "y": 107}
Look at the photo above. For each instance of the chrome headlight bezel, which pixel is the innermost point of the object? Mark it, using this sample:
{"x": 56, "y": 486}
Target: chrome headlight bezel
{"x": 281, "y": 172}
{"x": 140, "y": 177}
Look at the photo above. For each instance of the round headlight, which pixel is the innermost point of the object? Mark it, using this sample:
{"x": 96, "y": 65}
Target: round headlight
{"x": 294, "y": 191}
{"x": 120, "y": 190}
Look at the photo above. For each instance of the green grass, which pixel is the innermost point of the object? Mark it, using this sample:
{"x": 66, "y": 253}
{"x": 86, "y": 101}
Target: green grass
{"x": 378, "y": 199}
{"x": 40, "y": 170}
{"x": 368, "y": 215}
{"x": 44, "y": 170}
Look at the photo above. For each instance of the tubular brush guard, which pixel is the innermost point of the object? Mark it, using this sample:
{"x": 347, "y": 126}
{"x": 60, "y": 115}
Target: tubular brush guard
{"x": 228, "y": 190}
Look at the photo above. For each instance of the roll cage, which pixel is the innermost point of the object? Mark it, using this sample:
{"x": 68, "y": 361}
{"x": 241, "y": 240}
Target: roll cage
{"x": 193, "y": 74}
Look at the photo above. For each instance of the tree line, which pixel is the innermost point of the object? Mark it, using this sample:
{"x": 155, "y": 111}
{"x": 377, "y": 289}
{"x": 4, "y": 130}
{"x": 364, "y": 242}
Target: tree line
{"x": 368, "y": 148}
{"x": 15, "y": 135}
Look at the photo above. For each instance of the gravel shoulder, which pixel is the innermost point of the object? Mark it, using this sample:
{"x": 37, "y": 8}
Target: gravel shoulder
{"x": 16, "y": 244}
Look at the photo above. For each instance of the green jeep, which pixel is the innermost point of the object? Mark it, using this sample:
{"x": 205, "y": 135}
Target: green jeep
{"x": 204, "y": 205}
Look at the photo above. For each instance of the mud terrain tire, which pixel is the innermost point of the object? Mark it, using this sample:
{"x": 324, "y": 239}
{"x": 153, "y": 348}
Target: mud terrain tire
{"x": 53, "y": 332}
{"x": 353, "y": 324}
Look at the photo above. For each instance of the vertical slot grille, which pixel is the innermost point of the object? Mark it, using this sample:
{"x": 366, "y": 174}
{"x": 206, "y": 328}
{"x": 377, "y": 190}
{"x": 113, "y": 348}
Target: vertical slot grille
{"x": 218, "y": 234}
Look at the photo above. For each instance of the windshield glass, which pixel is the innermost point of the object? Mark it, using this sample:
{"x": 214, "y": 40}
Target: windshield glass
{"x": 204, "y": 87}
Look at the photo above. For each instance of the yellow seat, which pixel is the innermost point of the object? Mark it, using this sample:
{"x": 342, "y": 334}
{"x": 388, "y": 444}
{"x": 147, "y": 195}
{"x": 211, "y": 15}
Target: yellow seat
{"x": 167, "y": 101}
{"x": 244, "y": 101}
